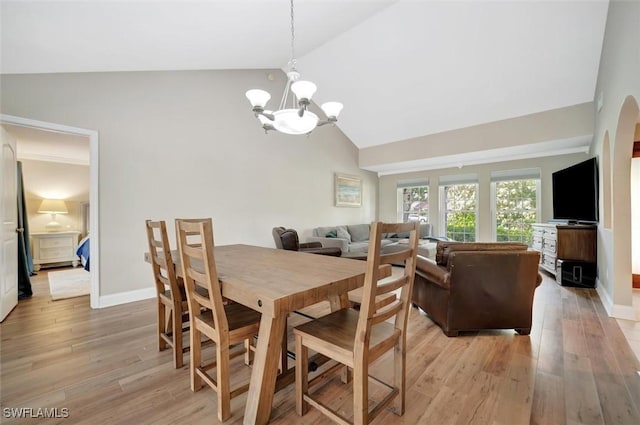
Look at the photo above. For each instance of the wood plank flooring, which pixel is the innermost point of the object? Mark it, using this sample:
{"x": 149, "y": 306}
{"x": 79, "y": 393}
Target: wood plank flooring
{"x": 576, "y": 367}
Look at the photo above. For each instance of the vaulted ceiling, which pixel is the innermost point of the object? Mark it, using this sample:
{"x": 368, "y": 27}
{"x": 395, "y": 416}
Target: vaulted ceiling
{"x": 403, "y": 69}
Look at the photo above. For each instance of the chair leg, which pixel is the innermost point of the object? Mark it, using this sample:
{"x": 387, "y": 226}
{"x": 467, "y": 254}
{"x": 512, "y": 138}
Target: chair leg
{"x": 222, "y": 376}
{"x": 302, "y": 376}
{"x": 399, "y": 377}
{"x": 162, "y": 344}
{"x": 361, "y": 393}
{"x": 195, "y": 356}
{"x": 176, "y": 321}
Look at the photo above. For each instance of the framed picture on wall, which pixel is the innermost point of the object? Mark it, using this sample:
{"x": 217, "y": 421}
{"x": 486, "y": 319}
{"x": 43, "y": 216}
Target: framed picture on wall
{"x": 348, "y": 190}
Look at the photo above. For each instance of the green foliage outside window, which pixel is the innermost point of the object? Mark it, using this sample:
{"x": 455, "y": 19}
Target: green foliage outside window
{"x": 460, "y": 212}
{"x": 516, "y": 210}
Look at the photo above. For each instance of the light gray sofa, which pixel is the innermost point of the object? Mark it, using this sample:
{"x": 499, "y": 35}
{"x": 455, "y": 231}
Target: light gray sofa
{"x": 355, "y": 237}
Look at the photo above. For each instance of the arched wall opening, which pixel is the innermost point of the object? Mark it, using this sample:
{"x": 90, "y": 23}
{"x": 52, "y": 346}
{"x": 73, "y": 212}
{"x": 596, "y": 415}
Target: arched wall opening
{"x": 621, "y": 201}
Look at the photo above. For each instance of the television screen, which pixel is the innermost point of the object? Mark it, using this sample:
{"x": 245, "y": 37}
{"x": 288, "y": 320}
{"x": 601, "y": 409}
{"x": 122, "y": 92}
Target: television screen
{"x": 575, "y": 192}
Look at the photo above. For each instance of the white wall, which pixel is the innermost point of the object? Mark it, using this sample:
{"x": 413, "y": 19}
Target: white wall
{"x": 619, "y": 85}
{"x": 635, "y": 215}
{"x": 186, "y": 144}
{"x": 570, "y": 122}
{"x": 547, "y": 165}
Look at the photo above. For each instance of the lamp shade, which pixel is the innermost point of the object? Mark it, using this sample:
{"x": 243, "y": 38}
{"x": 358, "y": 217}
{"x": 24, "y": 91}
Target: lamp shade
{"x": 331, "y": 109}
{"x": 303, "y": 89}
{"x": 53, "y": 206}
{"x": 258, "y": 97}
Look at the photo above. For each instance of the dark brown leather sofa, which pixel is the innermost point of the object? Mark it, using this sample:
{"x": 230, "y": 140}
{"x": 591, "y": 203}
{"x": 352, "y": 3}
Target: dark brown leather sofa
{"x": 473, "y": 286}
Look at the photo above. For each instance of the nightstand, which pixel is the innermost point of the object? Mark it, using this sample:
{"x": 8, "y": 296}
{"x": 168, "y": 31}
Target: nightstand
{"x": 53, "y": 248}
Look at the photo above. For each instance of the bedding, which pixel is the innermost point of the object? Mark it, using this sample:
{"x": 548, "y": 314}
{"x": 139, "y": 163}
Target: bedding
{"x": 83, "y": 251}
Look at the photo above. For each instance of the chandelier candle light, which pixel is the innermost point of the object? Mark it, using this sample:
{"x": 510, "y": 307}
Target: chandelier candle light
{"x": 296, "y": 119}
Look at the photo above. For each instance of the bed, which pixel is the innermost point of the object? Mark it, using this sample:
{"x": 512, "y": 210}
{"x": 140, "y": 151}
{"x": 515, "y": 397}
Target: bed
{"x": 83, "y": 251}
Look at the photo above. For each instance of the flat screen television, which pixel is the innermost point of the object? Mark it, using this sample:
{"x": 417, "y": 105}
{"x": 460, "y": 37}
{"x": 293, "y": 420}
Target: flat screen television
{"x": 575, "y": 193}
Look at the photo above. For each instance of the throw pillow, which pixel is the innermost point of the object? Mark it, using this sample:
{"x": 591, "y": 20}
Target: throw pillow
{"x": 331, "y": 234}
{"x": 343, "y": 234}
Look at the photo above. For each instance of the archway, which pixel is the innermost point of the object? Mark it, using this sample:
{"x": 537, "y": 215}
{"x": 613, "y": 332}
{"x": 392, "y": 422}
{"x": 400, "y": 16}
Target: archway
{"x": 621, "y": 202}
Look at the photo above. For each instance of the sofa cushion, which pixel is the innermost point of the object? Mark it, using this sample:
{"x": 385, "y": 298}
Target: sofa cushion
{"x": 386, "y": 242}
{"x": 359, "y": 246}
{"x": 322, "y": 231}
{"x": 359, "y": 232}
{"x": 341, "y": 232}
{"x": 425, "y": 230}
{"x": 444, "y": 248}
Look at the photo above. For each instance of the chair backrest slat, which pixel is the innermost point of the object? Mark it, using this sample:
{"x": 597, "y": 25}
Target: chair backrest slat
{"x": 399, "y": 308}
{"x": 386, "y": 312}
{"x": 161, "y": 261}
{"x": 395, "y": 257}
{"x": 393, "y": 285}
{"x": 194, "y": 251}
{"x": 196, "y": 247}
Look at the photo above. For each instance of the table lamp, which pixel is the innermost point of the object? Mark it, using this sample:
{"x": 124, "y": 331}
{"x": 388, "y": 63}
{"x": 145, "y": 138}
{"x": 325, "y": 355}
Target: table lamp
{"x": 53, "y": 207}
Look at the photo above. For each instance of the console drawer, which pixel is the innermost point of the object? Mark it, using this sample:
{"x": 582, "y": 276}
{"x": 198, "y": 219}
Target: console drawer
{"x": 49, "y": 254}
{"x": 46, "y": 243}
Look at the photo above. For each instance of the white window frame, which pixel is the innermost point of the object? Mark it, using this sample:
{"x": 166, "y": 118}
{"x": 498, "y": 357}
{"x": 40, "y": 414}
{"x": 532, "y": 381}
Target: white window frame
{"x": 512, "y": 175}
{"x": 446, "y": 181}
{"x": 407, "y": 184}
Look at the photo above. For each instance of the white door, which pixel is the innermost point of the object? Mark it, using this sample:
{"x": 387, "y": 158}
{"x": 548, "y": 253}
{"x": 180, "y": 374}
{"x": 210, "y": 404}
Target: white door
{"x": 9, "y": 225}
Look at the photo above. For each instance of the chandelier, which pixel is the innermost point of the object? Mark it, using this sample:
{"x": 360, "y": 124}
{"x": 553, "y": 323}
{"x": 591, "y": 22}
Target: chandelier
{"x": 296, "y": 118}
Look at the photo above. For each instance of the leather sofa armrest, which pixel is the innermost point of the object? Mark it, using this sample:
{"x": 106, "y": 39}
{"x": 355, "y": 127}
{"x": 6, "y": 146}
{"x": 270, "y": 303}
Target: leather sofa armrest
{"x": 430, "y": 271}
{"x": 343, "y": 244}
{"x": 310, "y": 245}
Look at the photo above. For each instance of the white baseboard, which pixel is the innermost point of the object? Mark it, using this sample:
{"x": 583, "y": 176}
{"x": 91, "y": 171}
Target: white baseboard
{"x": 617, "y": 311}
{"x": 126, "y": 297}
{"x": 604, "y": 297}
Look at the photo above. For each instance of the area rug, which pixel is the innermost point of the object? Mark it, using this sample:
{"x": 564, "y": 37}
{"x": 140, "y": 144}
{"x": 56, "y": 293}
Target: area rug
{"x": 69, "y": 283}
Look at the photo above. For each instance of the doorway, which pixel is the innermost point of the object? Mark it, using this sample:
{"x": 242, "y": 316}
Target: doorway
{"x": 94, "y": 228}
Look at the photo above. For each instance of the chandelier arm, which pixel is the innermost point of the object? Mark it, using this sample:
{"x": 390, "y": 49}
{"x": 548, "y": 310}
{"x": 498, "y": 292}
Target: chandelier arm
{"x": 328, "y": 121}
{"x": 285, "y": 94}
{"x": 267, "y": 115}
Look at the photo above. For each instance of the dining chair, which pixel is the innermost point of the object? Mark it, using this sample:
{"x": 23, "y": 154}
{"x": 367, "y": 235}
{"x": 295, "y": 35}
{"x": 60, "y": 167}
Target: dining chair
{"x": 357, "y": 338}
{"x": 173, "y": 310}
{"x": 228, "y": 325}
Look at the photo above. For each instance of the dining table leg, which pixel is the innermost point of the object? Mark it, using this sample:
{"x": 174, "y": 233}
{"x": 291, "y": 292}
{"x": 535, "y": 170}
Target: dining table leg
{"x": 265, "y": 369}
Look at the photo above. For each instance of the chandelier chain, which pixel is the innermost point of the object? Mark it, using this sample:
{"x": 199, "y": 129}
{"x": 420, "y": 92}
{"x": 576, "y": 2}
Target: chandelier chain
{"x": 292, "y": 62}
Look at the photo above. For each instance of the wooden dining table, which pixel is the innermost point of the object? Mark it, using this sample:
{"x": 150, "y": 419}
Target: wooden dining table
{"x": 276, "y": 282}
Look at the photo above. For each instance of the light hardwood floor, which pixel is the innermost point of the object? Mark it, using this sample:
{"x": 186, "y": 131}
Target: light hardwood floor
{"x": 103, "y": 366}
{"x": 630, "y": 329}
